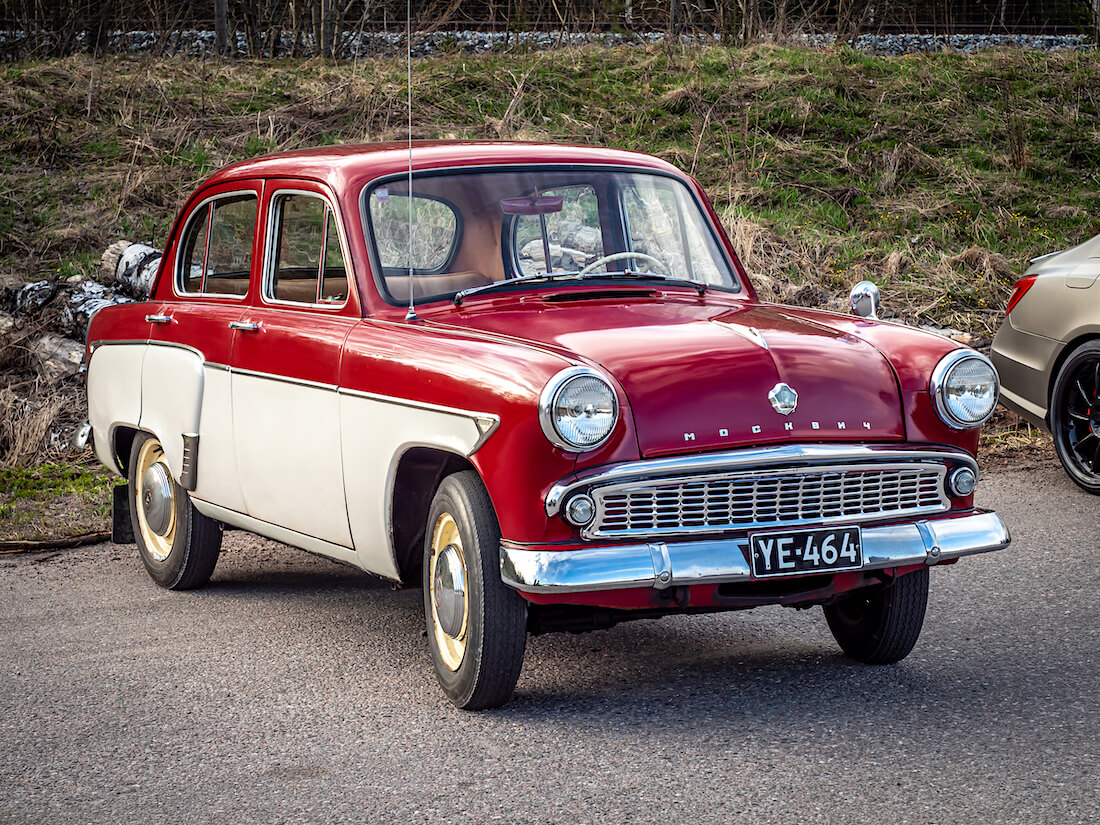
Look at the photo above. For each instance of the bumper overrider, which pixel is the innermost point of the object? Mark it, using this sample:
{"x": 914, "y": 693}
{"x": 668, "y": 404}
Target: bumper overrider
{"x": 661, "y": 561}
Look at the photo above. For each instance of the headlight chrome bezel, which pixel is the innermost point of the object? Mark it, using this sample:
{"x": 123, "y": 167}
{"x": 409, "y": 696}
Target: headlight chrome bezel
{"x": 549, "y": 397}
{"x": 937, "y": 385}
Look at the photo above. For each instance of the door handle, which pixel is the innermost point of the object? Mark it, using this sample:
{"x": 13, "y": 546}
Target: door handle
{"x": 244, "y": 326}
{"x": 158, "y": 319}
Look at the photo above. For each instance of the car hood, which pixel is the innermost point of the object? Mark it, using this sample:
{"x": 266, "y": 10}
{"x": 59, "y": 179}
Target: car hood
{"x": 698, "y": 376}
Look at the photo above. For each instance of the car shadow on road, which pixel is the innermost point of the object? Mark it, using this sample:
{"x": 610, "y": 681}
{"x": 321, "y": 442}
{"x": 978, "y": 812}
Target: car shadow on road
{"x": 749, "y": 667}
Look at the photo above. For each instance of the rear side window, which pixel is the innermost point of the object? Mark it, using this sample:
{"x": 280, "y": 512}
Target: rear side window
{"x": 435, "y": 230}
{"x": 217, "y": 247}
{"x": 307, "y": 261}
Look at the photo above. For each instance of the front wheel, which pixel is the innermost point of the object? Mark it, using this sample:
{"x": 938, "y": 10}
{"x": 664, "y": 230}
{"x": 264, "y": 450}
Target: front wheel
{"x": 477, "y": 625}
{"x": 1075, "y": 416}
{"x": 178, "y": 545}
{"x": 880, "y": 626}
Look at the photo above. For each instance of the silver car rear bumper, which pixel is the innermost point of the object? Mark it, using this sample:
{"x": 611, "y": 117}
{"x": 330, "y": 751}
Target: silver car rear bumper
{"x": 667, "y": 564}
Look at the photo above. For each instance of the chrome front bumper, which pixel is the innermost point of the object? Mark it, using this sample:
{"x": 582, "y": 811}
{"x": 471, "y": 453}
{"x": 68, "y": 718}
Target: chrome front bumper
{"x": 667, "y": 564}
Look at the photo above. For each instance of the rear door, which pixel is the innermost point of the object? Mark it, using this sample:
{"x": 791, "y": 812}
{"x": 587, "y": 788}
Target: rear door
{"x": 286, "y": 366}
{"x": 185, "y": 375}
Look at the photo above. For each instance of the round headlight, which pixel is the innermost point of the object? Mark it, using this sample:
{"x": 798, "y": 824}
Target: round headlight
{"x": 578, "y": 409}
{"x": 964, "y": 389}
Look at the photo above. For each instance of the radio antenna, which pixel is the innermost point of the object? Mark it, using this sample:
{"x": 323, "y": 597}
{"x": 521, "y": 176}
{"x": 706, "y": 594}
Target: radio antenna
{"x": 411, "y": 314}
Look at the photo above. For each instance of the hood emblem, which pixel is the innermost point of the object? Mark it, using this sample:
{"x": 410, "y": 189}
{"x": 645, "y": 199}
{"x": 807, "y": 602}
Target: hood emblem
{"x": 783, "y": 398}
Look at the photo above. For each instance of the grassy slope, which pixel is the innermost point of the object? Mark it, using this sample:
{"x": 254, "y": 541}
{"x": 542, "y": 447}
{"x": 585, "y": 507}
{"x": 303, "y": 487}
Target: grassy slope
{"x": 936, "y": 175}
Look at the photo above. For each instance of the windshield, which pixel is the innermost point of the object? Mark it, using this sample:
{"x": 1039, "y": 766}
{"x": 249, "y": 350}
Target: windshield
{"x": 485, "y": 228}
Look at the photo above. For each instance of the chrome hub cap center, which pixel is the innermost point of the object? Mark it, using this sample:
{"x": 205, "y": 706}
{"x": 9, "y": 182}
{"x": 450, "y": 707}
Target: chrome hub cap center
{"x": 156, "y": 498}
{"x": 450, "y": 591}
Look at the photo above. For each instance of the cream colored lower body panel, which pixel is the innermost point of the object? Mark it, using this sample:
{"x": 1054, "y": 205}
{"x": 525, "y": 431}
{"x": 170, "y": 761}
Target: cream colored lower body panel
{"x": 274, "y": 531}
{"x": 114, "y": 396}
{"x": 287, "y": 439}
{"x": 218, "y": 477}
{"x": 375, "y": 434}
{"x": 171, "y": 398}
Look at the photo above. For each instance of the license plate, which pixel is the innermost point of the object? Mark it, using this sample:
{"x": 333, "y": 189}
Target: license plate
{"x": 794, "y": 552}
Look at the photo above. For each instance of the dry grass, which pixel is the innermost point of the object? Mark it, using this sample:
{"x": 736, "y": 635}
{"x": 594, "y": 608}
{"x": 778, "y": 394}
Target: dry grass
{"x": 937, "y": 176}
{"x": 36, "y": 411}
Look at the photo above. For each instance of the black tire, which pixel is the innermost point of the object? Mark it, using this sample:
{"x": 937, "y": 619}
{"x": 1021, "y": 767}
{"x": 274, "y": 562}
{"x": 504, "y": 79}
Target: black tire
{"x": 1075, "y": 416}
{"x": 881, "y": 625}
{"x": 479, "y": 666}
{"x": 184, "y": 556}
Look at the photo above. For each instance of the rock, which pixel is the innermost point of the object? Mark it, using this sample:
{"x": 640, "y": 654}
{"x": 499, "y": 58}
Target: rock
{"x": 357, "y": 44}
{"x": 561, "y": 257}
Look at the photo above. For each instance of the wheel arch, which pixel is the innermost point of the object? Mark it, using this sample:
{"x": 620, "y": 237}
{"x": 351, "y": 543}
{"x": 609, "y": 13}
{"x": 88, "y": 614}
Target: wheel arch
{"x": 122, "y": 440}
{"x": 1065, "y": 352}
{"x": 419, "y": 472}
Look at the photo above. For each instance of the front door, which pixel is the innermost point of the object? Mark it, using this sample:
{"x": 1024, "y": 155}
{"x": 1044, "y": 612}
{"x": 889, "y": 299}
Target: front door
{"x": 286, "y": 367}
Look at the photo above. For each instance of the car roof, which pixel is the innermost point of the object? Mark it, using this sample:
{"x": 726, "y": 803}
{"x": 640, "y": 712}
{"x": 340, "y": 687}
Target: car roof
{"x": 341, "y": 164}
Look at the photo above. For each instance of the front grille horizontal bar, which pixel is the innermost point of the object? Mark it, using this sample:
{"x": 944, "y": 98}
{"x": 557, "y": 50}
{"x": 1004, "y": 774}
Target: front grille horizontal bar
{"x": 762, "y": 498}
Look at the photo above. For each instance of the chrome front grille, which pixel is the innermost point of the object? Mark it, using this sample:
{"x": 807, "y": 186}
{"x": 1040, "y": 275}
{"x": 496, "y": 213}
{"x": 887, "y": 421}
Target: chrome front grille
{"x": 716, "y": 502}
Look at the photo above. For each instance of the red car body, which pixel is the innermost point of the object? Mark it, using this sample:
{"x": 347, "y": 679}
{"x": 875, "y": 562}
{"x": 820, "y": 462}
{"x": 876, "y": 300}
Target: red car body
{"x": 691, "y": 373}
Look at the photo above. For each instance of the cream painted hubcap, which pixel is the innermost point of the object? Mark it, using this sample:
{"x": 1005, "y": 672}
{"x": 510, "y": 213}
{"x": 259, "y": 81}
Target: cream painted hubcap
{"x": 156, "y": 500}
{"x": 449, "y": 592}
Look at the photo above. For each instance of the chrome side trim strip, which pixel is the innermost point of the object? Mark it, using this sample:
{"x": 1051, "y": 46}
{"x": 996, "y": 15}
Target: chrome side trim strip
{"x": 487, "y": 423}
{"x": 421, "y": 405}
{"x": 785, "y": 455}
{"x": 283, "y": 379}
{"x": 618, "y": 567}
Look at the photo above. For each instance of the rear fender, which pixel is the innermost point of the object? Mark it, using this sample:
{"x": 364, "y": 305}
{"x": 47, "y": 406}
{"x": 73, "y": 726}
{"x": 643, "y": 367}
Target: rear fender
{"x": 114, "y": 396}
{"x": 171, "y": 399}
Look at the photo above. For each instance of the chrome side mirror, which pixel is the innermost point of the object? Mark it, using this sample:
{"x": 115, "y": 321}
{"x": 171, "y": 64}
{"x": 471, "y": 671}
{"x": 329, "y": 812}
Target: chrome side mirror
{"x": 865, "y": 300}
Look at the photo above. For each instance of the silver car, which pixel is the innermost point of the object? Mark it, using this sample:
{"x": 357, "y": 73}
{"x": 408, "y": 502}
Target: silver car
{"x": 1047, "y": 352}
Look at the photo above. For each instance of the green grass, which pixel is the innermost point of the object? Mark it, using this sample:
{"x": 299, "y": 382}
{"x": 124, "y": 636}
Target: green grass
{"x": 51, "y": 500}
{"x": 937, "y": 176}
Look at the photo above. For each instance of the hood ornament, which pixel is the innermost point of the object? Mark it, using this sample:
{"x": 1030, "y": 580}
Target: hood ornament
{"x": 783, "y": 398}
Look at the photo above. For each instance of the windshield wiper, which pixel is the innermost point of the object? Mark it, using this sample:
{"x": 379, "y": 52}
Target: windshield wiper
{"x": 698, "y": 286}
{"x": 522, "y": 279}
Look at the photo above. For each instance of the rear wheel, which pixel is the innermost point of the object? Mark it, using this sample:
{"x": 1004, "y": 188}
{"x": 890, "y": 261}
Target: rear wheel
{"x": 880, "y": 626}
{"x": 178, "y": 545}
{"x": 477, "y": 625}
{"x": 1075, "y": 416}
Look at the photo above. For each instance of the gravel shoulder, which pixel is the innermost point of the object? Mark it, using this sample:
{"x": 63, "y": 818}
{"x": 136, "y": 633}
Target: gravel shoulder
{"x": 293, "y": 689}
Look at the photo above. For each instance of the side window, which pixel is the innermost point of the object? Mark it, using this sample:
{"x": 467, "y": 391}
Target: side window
{"x": 574, "y": 233}
{"x": 217, "y": 248}
{"x": 194, "y": 252}
{"x": 229, "y": 252}
{"x": 435, "y": 230}
{"x": 308, "y": 265}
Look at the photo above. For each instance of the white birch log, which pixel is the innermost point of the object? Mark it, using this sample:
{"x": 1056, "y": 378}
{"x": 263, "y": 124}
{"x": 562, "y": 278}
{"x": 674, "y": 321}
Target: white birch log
{"x": 58, "y": 357}
{"x": 132, "y": 266}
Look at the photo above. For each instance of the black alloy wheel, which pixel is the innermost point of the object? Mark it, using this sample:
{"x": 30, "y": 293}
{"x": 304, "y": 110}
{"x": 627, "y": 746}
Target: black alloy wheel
{"x": 1075, "y": 416}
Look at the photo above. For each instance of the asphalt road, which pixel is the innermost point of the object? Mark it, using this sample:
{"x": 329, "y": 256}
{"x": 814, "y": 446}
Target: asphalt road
{"x": 294, "y": 690}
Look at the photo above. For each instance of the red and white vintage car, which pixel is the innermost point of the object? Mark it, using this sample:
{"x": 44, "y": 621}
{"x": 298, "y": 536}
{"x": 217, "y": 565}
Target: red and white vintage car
{"x": 586, "y": 416}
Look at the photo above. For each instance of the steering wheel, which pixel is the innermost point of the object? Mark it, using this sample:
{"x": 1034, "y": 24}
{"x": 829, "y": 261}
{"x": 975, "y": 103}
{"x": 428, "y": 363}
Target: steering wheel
{"x": 622, "y": 256}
